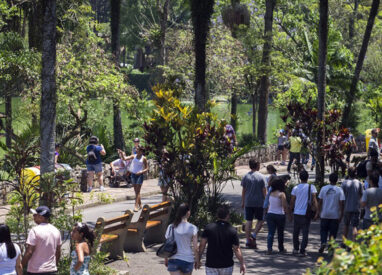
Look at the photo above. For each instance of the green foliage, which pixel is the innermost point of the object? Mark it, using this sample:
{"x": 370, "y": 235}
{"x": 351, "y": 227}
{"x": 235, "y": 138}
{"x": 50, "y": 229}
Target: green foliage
{"x": 363, "y": 256}
{"x": 192, "y": 151}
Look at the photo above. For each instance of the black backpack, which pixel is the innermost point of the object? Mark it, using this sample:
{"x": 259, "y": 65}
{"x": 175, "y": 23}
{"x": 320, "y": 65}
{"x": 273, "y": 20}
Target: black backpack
{"x": 361, "y": 169}
{"x": 92, "y": 157}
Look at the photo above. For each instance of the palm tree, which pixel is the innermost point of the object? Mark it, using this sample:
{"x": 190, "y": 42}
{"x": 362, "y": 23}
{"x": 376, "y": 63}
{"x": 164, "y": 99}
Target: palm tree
{"x": 48, "y": 84}
{"x": 201, "y": 12}
{"x": 115, "y": 47}
{"x": 266, "y": 64}
{"x": 361, "y": 57}
{"x": 321, "y": 86}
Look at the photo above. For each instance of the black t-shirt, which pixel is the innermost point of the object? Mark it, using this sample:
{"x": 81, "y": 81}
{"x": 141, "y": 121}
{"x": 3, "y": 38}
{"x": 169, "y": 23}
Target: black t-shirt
{"x": 221, "y": 236}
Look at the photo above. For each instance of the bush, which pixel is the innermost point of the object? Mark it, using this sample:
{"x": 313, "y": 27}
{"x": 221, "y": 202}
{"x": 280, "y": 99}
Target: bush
{"x": 246, "y": 139}
{"x": 362, "y": 256}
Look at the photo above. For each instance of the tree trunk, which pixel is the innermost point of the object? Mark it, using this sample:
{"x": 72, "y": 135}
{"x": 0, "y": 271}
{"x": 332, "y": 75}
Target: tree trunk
{"x": 115, "y": 47}
{"x": 8, "y": 119}
{"x": 201, "y": 11}
{"x": 321, "y": 86}
{"x": 254, "y": 112}
{"x": 234, "y": 110}
{"x": 352, "y": 19}
{"x": 361, "y": 57}
{"x": 48, "y": 83}
{"x": 266, "y": 64}
{"x": 163, "y": 12}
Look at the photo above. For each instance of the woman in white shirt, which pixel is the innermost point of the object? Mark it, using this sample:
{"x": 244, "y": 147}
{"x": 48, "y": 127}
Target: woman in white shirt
{"x": 10, "y": 260}
{"x": 186, "y": 238}
{"x": 138, "y": 167}
{"x": 278, "y": 207}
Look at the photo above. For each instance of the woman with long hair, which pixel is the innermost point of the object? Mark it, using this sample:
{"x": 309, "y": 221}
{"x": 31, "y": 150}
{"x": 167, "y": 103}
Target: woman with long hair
{"x": 10, "y": 254}
{"x": 83, "y": 238}
{"x": 186, "y": 238}
{"x": 278, "y": 207}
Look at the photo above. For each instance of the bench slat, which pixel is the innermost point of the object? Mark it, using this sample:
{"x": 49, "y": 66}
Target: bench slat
{"x": 151, "y": 224}
{"x": 115, "y": 220}
{"x": 158, "y": 214}
{"x": 114, "y": 228}
{"x": 160, "y": 205}
{"x": 108, "y": 238}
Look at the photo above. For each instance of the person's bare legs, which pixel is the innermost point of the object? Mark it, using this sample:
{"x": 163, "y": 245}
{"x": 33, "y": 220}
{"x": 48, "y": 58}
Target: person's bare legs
{"x": 258, "y": 227}
{"x": 90, "y": 179}
{"x": 137, "y": 190}
{"x": 100, "y": 179}
{"x": 354, "y": 233}
{"x": 164, "y": 190}
{"x": 284, "y": 155}
{"x": 248, "y": 229}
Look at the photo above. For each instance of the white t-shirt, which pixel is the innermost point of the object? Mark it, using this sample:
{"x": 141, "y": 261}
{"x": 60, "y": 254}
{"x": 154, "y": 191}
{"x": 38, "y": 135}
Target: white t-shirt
{"x": 300, "y": 191}
{"x": 183, "y": 237}
{"x": 8, "y": 266}
{"x": 331, "y": 196}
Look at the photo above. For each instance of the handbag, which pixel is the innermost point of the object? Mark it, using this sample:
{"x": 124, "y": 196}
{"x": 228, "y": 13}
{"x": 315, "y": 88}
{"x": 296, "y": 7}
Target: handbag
{"x": 169, "y": 248}
{"x": 310, "y": 211}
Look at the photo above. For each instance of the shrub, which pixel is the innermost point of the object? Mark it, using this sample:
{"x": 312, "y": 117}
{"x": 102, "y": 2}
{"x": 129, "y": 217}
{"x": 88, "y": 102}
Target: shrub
{"x": 362, "y": 256}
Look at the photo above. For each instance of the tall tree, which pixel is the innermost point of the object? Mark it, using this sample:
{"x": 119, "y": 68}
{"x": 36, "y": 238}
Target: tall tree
{"x": 266, "y": 67}
{"x": 321, "y": 86}
{"x": 201, "y": 12}
{"x": 115, "y": 16}
{"x": 48, "y": 84}
{"x": 361, "y": 57}
{"x": 163, "y": 10}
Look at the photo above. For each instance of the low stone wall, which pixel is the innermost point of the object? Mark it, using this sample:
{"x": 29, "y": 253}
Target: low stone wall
{"x": 261, "y": 153}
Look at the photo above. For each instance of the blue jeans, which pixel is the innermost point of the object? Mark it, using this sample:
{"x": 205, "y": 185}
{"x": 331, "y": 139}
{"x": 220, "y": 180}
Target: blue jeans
{"x": 180, "y": 265}
{"x": 300, "y": 223}
{"x": 328, "y": 226}
{"x": 274, "y": 222}
{"x": 293, "y": 156}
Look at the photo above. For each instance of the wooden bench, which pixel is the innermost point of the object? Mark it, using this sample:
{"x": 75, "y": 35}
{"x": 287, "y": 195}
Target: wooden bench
{"x": 150, "y": 228}
{"x": 111, "y": 234}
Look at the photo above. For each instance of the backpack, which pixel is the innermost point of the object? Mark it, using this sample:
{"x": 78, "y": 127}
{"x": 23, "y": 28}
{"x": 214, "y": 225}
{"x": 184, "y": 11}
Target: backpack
{"x": 361, "y": 169}
{"x": 92, "y": 157}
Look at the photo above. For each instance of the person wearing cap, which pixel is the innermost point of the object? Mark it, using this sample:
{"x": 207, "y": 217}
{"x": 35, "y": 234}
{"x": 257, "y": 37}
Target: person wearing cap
{"x": 43, "y": 244}
{"x": 94, "y": 163}
{"x": 136, "y": 145}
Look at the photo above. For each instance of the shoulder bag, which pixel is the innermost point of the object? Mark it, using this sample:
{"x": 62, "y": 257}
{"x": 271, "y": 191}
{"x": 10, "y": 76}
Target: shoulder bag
{"x": 169, "y": 248}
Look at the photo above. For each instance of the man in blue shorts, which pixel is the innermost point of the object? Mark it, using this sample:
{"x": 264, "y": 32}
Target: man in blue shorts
{"x": 252, "y": 201}
{"x": 94, "y": 162}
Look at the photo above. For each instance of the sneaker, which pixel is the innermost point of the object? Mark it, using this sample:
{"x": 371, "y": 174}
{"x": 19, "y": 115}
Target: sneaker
{"x": 135, "y": 209}
{"x": 284, "y": 251}
{"x": 90, "y": 189}
{"x": 101, "y": 188}
{"x": 283, "y": 163}
{"x": 322, "y": 248}
{"x": 295, "y": 252}
{"x": 303, "y": 254}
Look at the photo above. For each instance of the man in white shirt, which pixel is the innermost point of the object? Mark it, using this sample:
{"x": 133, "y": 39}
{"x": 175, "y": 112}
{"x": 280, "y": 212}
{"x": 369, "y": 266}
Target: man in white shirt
{"x": 373, "y": 143}
{"x": 299, "y": 205}
{"x": 330, "y": 209}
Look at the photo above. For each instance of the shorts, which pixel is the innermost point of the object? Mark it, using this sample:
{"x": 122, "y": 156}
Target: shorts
{"x": 137, "y": 179}
{"x": 280, "y": 147}
{"x": 351, "y": 218}
{"x": 180, "y": 265}
{"x": 94, "y": 167}
{"x": 254, "y": 212}
{"x": 219, "y": 271}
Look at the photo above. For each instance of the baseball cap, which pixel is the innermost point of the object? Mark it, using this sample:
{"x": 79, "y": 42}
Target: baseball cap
{"x": 136, "y": 140}
{"x": 42, "y": 211}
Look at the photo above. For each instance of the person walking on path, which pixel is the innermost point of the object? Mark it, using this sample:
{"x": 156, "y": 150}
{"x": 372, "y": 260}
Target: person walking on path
{"x": 301, "y": 194}
{"x": 373, "y": 143}
{"x": 330, "y": 210}
{"x": 252, "y": 200}
{"x": 10, "y": 254}
{"x": 275, "y": 218}
{"x": 295, "y": 149}
{"x": 138, "y": 168}
{"x": 353, "y": 192}
{"x": 281, "y": 148}
{"x": 83, "y": 238}
{"x": 186, "y": 238}
{"x": 43, "y": 245}
{"x": 94, "y": 162}
{"x": 372, "y": 197}
{"x": 223, "y": 242}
